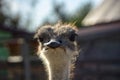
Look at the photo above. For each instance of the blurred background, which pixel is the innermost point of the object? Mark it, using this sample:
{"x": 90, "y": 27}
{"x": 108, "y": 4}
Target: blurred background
{"x": 98, "y": 22}
{"x": 30, "y": 14}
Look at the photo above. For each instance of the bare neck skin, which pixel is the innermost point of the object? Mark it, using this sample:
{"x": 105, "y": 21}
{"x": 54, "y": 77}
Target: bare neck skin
{"x": 59, "y": 72}
{"x": 57, "y": 66}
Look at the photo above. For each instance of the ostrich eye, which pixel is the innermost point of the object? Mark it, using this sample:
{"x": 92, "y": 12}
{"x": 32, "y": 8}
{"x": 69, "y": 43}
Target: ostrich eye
{"x": 40, "y": 39}
{"x": 72, "y": 37}
{"x": 44, "y": 39}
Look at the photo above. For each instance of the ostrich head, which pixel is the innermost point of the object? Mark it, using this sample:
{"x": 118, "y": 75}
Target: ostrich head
{"x": 57, "y": 49}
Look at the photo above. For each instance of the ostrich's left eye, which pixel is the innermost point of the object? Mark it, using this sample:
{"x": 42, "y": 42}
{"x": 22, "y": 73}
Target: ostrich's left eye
{"x": 72, "y": 37}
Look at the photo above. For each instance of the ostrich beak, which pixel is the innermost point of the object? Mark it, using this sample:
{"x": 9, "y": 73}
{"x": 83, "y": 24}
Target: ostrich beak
{"x": 52, "y": 43}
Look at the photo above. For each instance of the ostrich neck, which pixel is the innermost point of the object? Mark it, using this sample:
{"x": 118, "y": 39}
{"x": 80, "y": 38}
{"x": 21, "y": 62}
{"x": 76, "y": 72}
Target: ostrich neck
{"x": 59, "y": 72}
{"x": 58, "y": 65}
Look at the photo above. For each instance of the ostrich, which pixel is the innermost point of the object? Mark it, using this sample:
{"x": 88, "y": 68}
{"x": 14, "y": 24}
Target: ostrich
{"x": 57, "y": 49}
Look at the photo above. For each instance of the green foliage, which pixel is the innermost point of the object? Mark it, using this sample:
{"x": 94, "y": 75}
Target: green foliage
{"x": 58, "y": 12}
{"x": 80, "y": 14}
{"x": 7, "y": 18}
{"x": 76, "y": 18}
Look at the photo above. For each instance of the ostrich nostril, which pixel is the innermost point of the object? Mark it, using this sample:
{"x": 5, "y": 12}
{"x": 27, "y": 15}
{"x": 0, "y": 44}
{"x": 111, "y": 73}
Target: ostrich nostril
{"x": 60, "y": 41}
{"x": 52, "y": 44}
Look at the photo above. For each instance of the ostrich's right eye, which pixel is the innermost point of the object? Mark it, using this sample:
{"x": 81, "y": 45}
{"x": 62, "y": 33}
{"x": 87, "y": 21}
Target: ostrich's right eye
{"x": 41, "y": 39}
{"x": 44, "y": 39}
